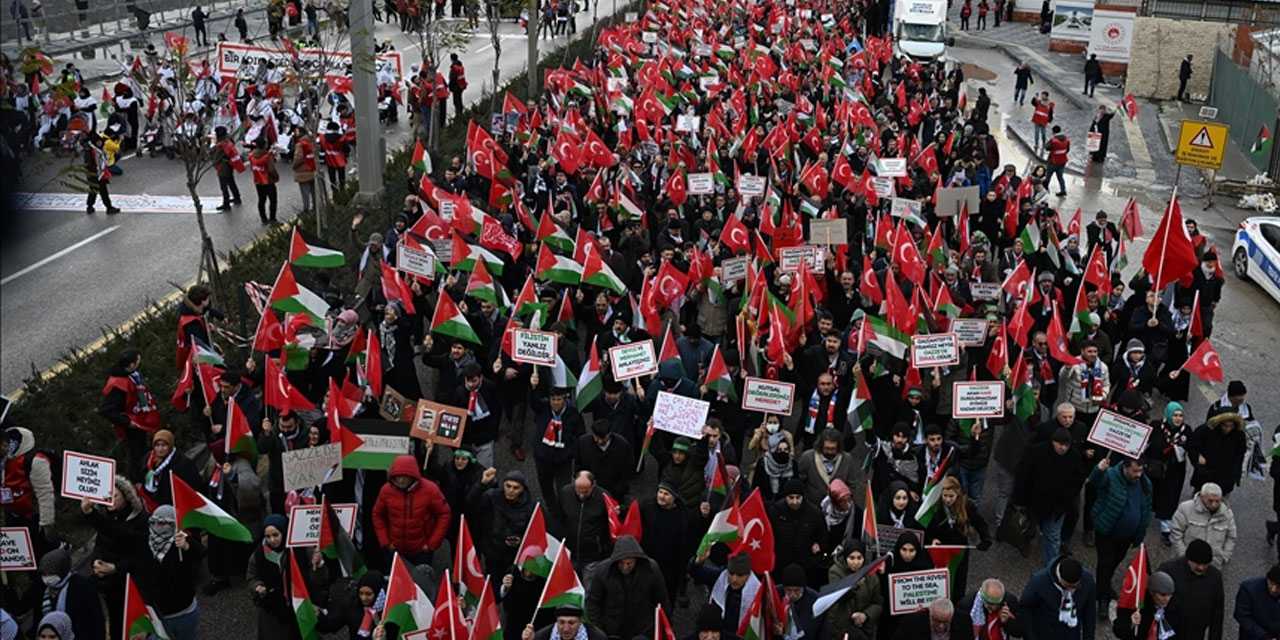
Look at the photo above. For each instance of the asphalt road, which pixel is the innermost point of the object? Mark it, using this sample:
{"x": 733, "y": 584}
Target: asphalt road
{"x": 83, "y": 273}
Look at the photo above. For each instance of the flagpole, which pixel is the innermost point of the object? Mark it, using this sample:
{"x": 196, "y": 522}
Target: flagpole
{"x": 1164, "y": 242}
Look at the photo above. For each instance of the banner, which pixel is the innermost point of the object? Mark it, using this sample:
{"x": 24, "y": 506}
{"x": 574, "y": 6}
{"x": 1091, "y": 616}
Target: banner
{"x": 232, "y": 56}
{"x": 977, "y": 400}
{"x": 1072, "y": 20}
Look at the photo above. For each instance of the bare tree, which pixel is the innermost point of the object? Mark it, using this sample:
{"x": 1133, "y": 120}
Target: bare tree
{"x": 436, "y": 39}
{"x": 493, "y": 18}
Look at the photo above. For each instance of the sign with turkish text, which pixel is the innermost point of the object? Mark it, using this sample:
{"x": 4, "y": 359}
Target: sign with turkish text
{"x": 1118, "y": 433}
{"x": 312, "y": 466}
{"x": 883, "y": 186}
{"x": 1111, "y": 35}
{"x": 534, "y": 347}
{"x": 86, "y": 477}
{"x": 769, "y": 396}
{"x": 677, "y": 414}
{"x": 905, "y": 207}
{"x": 233, "y": 56}
{"x": 415, "y": 261}
{"x": 972, "y": 332}
{"x": 734, "y": 269}
{"x": 700, "y": 183}
{"x": 977, "y": 399}
{"x": 304, "y": 523}
{"x": 687, "y": 123}
{"x": 935, "y": 350}
{"x": 633, "y": 360}
{"x": 439, "y": 423}
{"x": 985, "y": 290}
{"x": 749, "y": 185}
{"x": 893, "y": 167}
{"x": 792, "y": 259}
{"x": 914, "y": 590}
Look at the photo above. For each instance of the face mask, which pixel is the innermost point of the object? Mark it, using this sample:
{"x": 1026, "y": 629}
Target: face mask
{"x": 772, "y": 427}
{"x": 50, "y": 581}
{"x": 781, "y": 457}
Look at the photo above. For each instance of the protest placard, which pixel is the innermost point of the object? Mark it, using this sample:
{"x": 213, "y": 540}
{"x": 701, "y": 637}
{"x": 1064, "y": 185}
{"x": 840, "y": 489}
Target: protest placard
{"x": 823, "y": 231}
{"x": 1093, "y": 141}
{"x": 977, "y": 399}
{"x": 985, "y": 290}
{"x": 633, "y": 360}
{"x": 703, "y": 50}
{"x": 749, "y": 185}
{"x": 677, "y": 414}
{"x": 648, "y": 37}
{"x": 312, "y": 466}
{"x": 734, "y": 269}
{"x": 887, "y": 537}
{"x": 1118, "y": 433}
{"x": 972, "y": 332}
{"x": 612, "y": 84}
{"x": 903, "y": 207}
{"x": 769, "y": 396}
{"x": 304, "y": 523}
{"x": 534, "y": 347}
{"x": 393, "y": 405}
{"x": 631, "y": 16}
{"x": 914, "y": 590}
{"x": 793, "y": 259}
{"x": 687, "y": 123}
{"x": 884, "y": 187}
{"x": 439, "y": 423}
{"x": 415, "y": 261}
{"x": 86, "y": 477}
{"x": 707, "y": 82}
{"x": 15, "y": 550}
{"x": 700, "y": 183}
{"x": 497, "y": 123}
{"x": 952, "y": 199}
{"x": 893, "y": 167}
{"x": 935, "y": 350}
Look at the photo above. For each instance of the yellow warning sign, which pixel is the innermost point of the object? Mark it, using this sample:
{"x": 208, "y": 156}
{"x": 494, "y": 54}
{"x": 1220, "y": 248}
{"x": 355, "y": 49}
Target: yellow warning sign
{"x": 1201, "y": 144}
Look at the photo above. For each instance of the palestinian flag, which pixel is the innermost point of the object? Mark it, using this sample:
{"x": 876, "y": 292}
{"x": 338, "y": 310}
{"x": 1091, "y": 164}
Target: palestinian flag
{"x": 1024, "y": 399}
{"x": 238, "y": 436}
{"x": 306, "y": 250}
{"x": 671, "y": 353}
{"x": 566, "y": 314}
{"x": 407, "y": 605}
{"x": 480, "y": 286}
{"x": 202, "y": 353}
{"x": 303, "y": 611}
{"x": 195, "y": 511}
{"x": 884, "y": 340}
{"x": 290, "y": 297}
{"x": 466, "y": 566}
{"x": 724, "y": 528}
{"x": 563, "y": 586}
{"x": 487, "y": 624}
{"x": 335, "y": 544}
{"x": 869, "y": 531}
{"x": 448, "y": 320}
{"x": 1030, "y": 237}
{"x": 550, "y": 233}
{"x": 139, "y": 617}
{"x": 538, "y": 550}
{"x": 421, "y": 158}
{"x": 932, "y": 494}
{"x": 596, "y": 272}
{"x": 835, "y": 591}
{"x": 464, "y": 256}
{"x": 718, "y": 378}
{"x": 949, "y": 557}
{"x": 385, "y": 441}
{"x": 561, "y": 376}
{"x": 752, "y": 627}
{"x": 1263, "y": 143}
{"x": 556, "y": 268}
{"x": 861, "y": 408}
{"x": 104, "y": 107}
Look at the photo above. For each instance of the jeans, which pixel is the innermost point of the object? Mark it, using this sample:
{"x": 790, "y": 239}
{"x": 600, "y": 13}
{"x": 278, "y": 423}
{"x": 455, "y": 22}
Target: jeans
{"x": 1042, "y": 135}
{"x": 1057, "y": 169}
{"x": 1050, "y": 527}
{"x": 1089, "y": 84}
{"x": 1004, "y": 490}
{"x": 972, "y": 481}
{"x": 426, "y": 118}
{"x": 1020, "y": 95}
{"x": 313, "y": 29}
{"x": 308, "y": 190}
{"x": 183, "y": 627}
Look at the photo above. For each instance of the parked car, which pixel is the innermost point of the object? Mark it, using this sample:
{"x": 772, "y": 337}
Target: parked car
{"x": 1256, "y": 252}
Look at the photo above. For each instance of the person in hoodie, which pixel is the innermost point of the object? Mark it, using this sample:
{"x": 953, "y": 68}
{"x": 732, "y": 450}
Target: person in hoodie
{"x": 684, "y": 473}
{"x": 128, "y": 405}
{"x": 503, "y": 511}
{"x": 798, "y": 530}
{"x": 119, "y": 527}
{"x": 410, "y": 516}
{"x": 670, "y": 379}
{"x": 1132, "y": 372}
{"x": 362, "y": 610}
{"x": 908, "y": 555}
{"x": 28, "y": 482}
{"x": 665, "y": 537}
{"x": 1216, "y": 450}
{"x": 1058, "y": 602}
{"x": 625, "y": 590}
{"x": 266, "y": 579}
{"x": 62, "y": 590}
{"x": 556, "y": 428}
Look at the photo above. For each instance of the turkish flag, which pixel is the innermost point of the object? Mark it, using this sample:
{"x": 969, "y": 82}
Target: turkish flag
{"x": 618, "y": 527}
{"x": 567, "y": 152}
{"x": 492, "y": 236}
{"x": 598, "y": 152}
{"x": 1058, "y": 341}
{"x": 670, "y": 284}
{"x": 1170, "y": 256}
{"x": 907, "y": 256}
{"x": 998, "y": 359}
{"x": 735, "y": 235}
{"x": 1205, "y": 363}
{"x": 677, "y": 188}
{"x": 755, "y": 534}
{"x": 870, "y": 285}
{"x": 1135, "y": 581}
{"x": 842, "y": 173}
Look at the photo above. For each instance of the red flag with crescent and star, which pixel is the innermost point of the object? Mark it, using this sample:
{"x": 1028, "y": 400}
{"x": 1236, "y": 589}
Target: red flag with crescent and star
{"x": 755, "y": 534}
{"x": 1205, "y": 363}
{"x": 1135, "y": 582}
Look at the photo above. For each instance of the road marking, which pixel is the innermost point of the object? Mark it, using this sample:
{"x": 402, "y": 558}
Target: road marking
{"x": 128, "y": 203}
{"x": 47, "y": 260}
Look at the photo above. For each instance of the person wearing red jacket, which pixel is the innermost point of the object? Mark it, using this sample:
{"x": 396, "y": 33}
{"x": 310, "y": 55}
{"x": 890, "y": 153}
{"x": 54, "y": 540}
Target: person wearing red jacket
{"x": 410, "y": 515}
{"x": 335, "y": 148}
{"x": 1059, "y": 145}
{"x": 1041, "y": 118}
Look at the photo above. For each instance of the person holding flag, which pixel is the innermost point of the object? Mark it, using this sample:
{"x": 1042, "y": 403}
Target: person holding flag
{"x": 269, "y": 581}
{"x": 166, "y": 569}
{"x": 1120, "y": 518}
{"x": 857, "y": 611}
{"x": 569, "y": 625}
{"x": 950, "y": 525}
{"x": 1154, "y": 616}
{"x": 733, "y": 588}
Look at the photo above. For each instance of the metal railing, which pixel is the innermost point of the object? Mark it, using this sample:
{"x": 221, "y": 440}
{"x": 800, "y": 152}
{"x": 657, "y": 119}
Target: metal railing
{"x": 60, "y": 27}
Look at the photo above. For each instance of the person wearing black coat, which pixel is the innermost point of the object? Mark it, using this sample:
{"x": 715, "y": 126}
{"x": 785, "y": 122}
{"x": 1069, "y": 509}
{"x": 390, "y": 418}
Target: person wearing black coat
{"x": 165, "y": 566}
{"x": 622, "y": 410}
{"x": 1102, "y": 125}
{"x": 1158, "y": 617}
{"x": 73, "y": 594}
{"x": 455, "y": 478}
{"x": 1153, "y": 325}
{"x": 583, "y": 517}
{"x": 502, "y": 512}
{"x": 1198, "y": 591}
{"x": 908, "y": 555}
{"x": 359, "y": 613}
{"x": 665, "y": 535}
{"x": 484, "y": 414}
{"x": 1045, "y": 484}
{"x": 556, "y": 428}
{"x": 956, "y": 515}
{"x": 608, "y": 456}
{"x": 1216, "y": 450}
{"x": 120, "y": 528}
{"x": 798, "y": 530}
{"x": 163, "y": 462}
{"x": 940, "y": 617}
{"x": 625, "y": 590}
{"x": 449, "y": 362}
{"x": 519, "y": 593}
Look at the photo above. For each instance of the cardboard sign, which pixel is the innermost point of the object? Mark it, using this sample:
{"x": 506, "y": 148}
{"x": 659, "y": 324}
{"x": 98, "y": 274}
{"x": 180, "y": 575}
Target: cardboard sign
{"x": 793, "y": 259}
{"x": 972, "y": 332}
{"x": 633, "y": 360}
{"x": 887, "y": 537}
{"x": 497, "y": 123}
{"x": 86, "y": 477}
{"x": 977, "y": 400}
{"x": 734, "y": 269}
{"x": 952, "y": 199}
{"x": 677, "y": 414}
{"x": 312, "y": 466}
{"x": 415, "y": 261}
{"x": 830, "y": 232}
{"x": 935, "y": 350}
{"x": 1093, "y": 142}
{"x": 1118, "y": 433}
{"x": 304, "y": 523}
{"x": 534, "y": 347}
{"x": 769, "y": 396}
{"x": 884, "y": 187}
{"x": 687, "y": 123}
{"x": 914, "y": 590}
{"x": 15, "y": 550}
{"x": 902, "y": 207}
{"x": 701, "y": 183}
{"x": 394, "y": 406}
{"x": 893, "y": 167}
{"x": 439, "y": 423}
{"x": 749, "y": 185}
{"x": 985, "y": 290}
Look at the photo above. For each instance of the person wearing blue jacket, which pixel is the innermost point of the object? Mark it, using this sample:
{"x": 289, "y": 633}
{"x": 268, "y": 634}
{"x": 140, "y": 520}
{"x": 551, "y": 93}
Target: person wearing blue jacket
{"x": 1058, "y": 602}
{"x": 1120, "y": 517}
{"x": 1258, "y": 606}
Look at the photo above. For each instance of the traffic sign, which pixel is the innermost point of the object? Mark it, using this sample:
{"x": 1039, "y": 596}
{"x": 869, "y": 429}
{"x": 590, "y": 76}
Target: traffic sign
{"x": 1201, "y": 144}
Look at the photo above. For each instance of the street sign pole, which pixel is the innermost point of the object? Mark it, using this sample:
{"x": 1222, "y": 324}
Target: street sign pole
{"x": 370, "y": 147}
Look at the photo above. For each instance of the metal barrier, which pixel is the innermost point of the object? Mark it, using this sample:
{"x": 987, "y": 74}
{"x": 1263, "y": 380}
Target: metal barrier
{"x": 1245, "y": 106}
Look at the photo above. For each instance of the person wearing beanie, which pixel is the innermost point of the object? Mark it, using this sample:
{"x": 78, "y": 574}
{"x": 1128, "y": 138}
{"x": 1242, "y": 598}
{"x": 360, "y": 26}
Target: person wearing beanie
{"x": 733, "y": 588}
{"x": 623, "y": 591}
{"x": 793, "y": 585}
{"x": 665, "y": 520}
{"x": 568, "y": 625}
{"x": 684, "y": 473}
{"x": 502, "y": 509}
{"x": 1258, "y": 606}
{"x": 265, "y": 578}
{"x": 1198, "y": 592}
{"x": 1120, "y": 518}
{"x": 1131, "y": 404}
{"x": 798, "y": 531}
{"x": 1133, "y": 372}
{"x": 62, "y": 590}
{"x": 1233, "y": 401}
{"x": 1217, "y": 451}
{"x": 1059, "y": 601}
{"x": 1046, "y": 484}
{"x": 609, "y": 456}
{"x": 166, "y": 565}
{"x": 859, "y": 609}
{"x": 1206, "y": 517}
{"x": 1157, "y": 618}
{"x": 162, "y": 464}
{"x": 710, "y": 625}
{"x": 1167, "y": 464}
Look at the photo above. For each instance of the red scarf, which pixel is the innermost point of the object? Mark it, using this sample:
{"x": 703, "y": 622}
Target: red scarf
{"x": 551, "y": 437}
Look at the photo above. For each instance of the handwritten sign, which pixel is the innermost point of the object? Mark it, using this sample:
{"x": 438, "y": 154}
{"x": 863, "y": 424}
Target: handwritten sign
{"x": 304, "y": 523}
{"x": 734, "y": 269}
{"x": 935, "y": 350}
{"x": 749, "y": 185}
{"x": 972, "y": 332}
{"x": 1119, "y": 433}
{"x": 415, "y": 261}
{"x": 534, "y": 347}
{"x": 823, "y": 231}
{"x": 977, "y": 400}
{"x": 700, "y": 183}
{"x": 312, "y": 466}
{"x": 792, "y": 259}
{"x": 769, "y": 396}
{"x": 439, "y": 423}
{"x": 633, "y": 360}
{"x": 914, "y": 590}
{"x": 887, "y": 537}
{"x": 15, "y": 550}
{"x": 904, "y": 207}
{"x": 86, "y": 477}
{"x": 677, "y": 414}
{"x": 985, "y": 290}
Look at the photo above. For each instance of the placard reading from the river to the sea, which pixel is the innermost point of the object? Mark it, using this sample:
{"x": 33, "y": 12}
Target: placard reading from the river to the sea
{"x": 914, "y": 590}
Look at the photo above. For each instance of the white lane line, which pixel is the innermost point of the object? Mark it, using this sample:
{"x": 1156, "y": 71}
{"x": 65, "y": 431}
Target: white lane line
{"x": 19, "y": 274}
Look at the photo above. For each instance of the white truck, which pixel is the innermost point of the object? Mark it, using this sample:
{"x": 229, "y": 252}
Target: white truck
{"x": 920, "y": 28}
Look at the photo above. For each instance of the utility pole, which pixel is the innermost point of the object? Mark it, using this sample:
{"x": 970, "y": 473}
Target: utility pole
{"x": 370, "y": 147}
{"x": 535, "y": 16}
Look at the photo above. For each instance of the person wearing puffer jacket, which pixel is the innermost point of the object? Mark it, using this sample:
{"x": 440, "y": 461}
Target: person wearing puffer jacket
{"x": 1216, "y": 450}
{"x": 119, "y": 527}
{"x": 1206, "y": 517}
{"x": 411, "y": 515}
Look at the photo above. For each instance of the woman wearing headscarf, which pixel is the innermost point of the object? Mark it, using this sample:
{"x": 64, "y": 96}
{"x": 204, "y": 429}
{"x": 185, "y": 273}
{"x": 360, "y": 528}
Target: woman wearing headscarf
{"x": 858, "y": 612}
{"x": 896, "y": 508}
{"x": 62, "y": 590}
{"x": 839, "y": 513}
{"x": 908, "y": 555}
{"x": 363, "y": 609}
{"x": 774, "y": 469}
{"x": 1167, "y": 465}
{"x": 396, "y": 339}
{"x": 266, "y": 579}
{"x": 164, "y": 460}
{"x": 1174, "y": 382}
{"x": 119, "y": 527}
{"x": 55, "y": 625}
{"x": 165, "y": 569}
{"x": 954, "y": 517}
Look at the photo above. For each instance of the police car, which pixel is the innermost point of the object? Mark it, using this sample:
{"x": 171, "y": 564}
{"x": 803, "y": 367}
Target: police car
{"x": 1256, "y": 252}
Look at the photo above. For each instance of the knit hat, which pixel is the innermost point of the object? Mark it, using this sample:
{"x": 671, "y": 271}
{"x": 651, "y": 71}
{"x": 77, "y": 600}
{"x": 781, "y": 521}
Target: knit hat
{"x": 668, "y": 487}
{"x": 1274, "y": 574}
{"x": 56, "y": 563}
{"x": 1160, "y": 582}
{"x": 709, "y": 618}
{"x": 739, "y": 564}
{"x": 164, "y": 435}
{"x": 1061, "y": 435}
{"x": 1236, "y": 388}
{"x": 793, "y": 576}
{"x": 1199, "y": 551}
{"x": 793, "y": 487}
{"x": 682, "y": 444}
